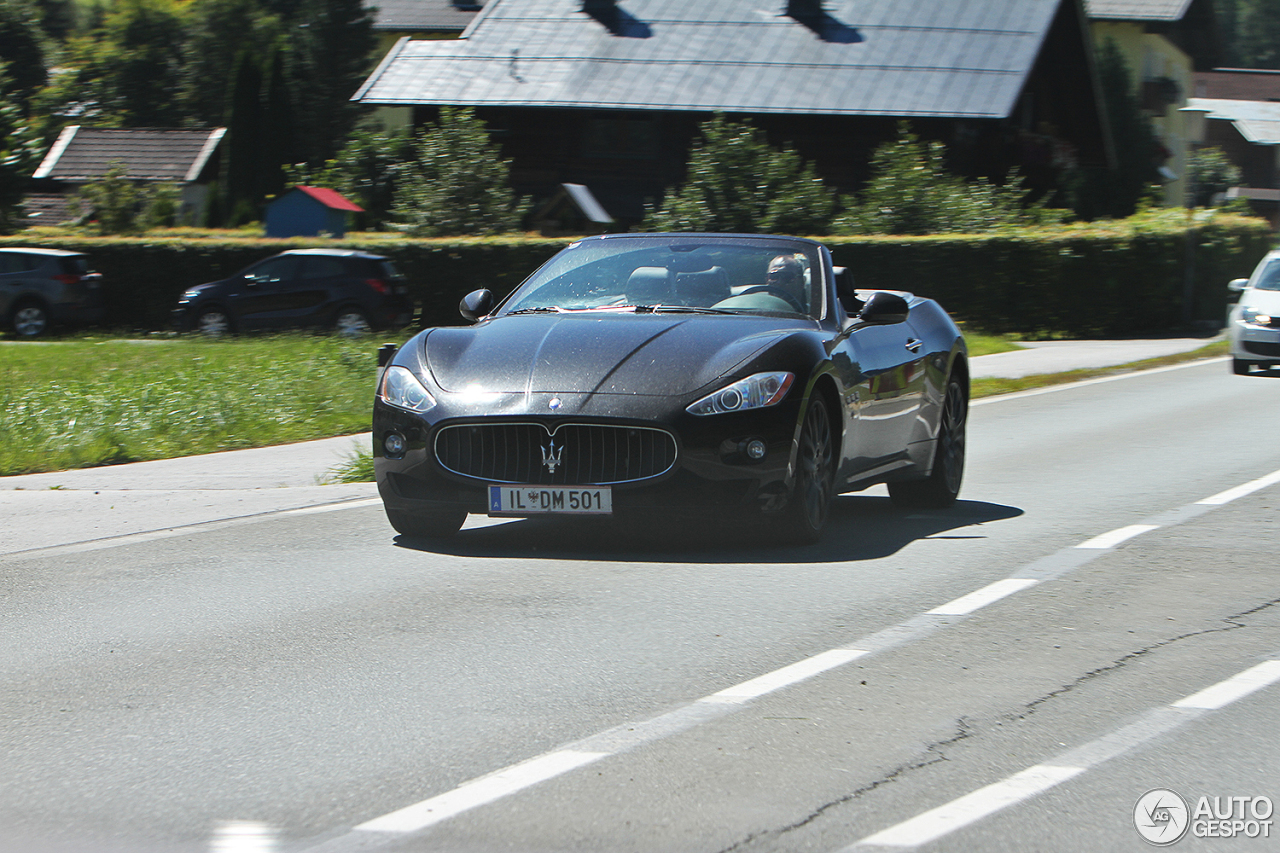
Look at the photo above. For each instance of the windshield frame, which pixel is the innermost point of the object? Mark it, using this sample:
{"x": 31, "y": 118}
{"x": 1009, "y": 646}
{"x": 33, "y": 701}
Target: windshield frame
{"x": 600, "y": 250}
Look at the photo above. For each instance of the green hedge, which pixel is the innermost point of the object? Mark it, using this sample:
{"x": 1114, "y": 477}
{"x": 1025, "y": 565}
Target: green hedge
{"x": 1140, "y": 275}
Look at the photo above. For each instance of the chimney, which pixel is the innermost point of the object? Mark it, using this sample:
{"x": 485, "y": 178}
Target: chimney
{"x": 804, "y": 9}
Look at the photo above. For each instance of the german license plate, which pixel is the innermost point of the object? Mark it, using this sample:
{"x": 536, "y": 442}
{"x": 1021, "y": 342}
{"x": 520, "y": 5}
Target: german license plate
{"x": 537, "y": 500}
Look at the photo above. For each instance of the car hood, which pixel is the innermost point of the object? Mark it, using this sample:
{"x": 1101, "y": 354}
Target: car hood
{"x": 1267, "y": 301}
{"x": 659, "y": 355}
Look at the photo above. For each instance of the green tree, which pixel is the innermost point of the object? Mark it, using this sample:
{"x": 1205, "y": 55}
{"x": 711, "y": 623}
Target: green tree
{"x": 1250, "y": 31}
{"x": 122, "y": 74}
{"x": 113, "y": 201}
{"x": 331, "y": 50}
{"x": 1119, "y": 192}
{"x": 20, "y": 153}
{"x": 1211, "y": 174}
{"x": 911, "y": 191}
{"x": 22, "y": 50}
{"x": 737, "y": 182}
{"x": 218, "y": 32}
{"x": 456, "y": 182}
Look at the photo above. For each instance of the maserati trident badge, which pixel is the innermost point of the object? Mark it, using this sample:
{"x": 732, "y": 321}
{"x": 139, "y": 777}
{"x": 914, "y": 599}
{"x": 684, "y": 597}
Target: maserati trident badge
{"x": 551, "y": 456}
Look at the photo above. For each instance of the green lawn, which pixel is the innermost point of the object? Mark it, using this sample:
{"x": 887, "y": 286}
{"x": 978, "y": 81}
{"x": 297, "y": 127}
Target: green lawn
{"x": 79, "y": 403}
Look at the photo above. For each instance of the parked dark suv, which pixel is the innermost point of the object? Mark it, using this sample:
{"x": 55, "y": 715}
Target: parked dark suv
{"x": 347, "y": 291}
{"x": 40, "y": 288}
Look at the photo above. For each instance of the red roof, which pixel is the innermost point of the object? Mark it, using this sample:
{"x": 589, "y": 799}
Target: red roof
{"x": 330, "y": 198}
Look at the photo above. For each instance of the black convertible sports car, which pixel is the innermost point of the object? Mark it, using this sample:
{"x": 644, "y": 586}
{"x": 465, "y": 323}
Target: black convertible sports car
{"x": 674, "y": 373}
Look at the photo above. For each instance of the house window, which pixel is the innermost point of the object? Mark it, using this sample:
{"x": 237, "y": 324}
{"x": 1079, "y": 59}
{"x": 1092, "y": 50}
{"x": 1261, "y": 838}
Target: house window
{"x": 621, "y": 138}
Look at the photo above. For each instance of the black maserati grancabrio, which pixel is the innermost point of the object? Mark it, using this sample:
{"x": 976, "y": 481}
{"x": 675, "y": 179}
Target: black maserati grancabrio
{"x": 671, "y": 374}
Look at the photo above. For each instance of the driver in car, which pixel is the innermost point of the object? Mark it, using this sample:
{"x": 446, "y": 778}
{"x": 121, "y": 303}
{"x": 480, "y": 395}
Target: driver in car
{"x": 787, "y": 274}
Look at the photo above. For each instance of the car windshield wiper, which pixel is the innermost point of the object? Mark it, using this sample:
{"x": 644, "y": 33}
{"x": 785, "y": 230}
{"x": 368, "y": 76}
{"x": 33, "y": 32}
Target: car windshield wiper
{"x": 683, "y": 309}
{"x": 541, "y": 309}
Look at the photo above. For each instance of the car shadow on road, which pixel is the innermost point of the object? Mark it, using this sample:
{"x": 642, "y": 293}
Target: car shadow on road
{"x": 861, "y": 527}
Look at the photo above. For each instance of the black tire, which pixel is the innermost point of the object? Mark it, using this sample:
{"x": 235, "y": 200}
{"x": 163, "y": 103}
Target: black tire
{"x": 806, "y": 512}
{"x": 351, "y": 323}
{"x": 1240, "y": 367}
{"x": 437, "y": 524}
{"x": 213, "y": 323}
{"x": 942, "y": 486}
{"x": 30, "y": 319}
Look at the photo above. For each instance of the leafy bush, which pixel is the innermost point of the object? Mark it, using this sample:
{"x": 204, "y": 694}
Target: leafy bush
{"x": 912, "y": 192}
{"x": 457, "y": 182}
{"x": 737, "y": 182}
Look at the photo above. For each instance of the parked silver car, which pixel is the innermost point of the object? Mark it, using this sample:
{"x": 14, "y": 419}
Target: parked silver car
{"x": 40, "y": 288}
{"x": 1254, "y": 324}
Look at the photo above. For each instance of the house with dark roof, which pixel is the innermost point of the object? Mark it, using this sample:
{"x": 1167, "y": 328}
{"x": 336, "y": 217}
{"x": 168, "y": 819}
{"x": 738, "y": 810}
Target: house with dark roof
{"x": 149, "y": 155}
{"x": 1164, "y": 43}
{"x": 1238, "y": 111}
{"x": 609, "y": 94}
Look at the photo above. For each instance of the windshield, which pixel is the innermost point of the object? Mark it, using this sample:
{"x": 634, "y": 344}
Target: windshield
{"x": 1269, "y": 277}
{"x": 666, "y": 273}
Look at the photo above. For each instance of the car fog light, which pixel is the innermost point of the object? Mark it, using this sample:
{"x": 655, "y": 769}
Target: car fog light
{"x": 755, "y": 449}
{"x": 395, "y": 445}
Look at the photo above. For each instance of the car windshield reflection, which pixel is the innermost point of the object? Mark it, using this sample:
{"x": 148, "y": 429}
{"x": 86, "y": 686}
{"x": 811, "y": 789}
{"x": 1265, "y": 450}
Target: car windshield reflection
{"x": 662, "y": 275}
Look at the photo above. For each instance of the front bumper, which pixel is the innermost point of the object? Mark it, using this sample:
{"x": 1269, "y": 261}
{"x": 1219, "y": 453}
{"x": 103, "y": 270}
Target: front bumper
{"x": 712, "y": 475}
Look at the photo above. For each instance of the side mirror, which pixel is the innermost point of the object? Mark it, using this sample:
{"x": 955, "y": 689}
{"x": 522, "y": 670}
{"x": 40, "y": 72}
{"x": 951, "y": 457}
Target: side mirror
{"x": 476, "y": 304}
{"x": 884, "y": 309}
{"x": 1235, "y": 287}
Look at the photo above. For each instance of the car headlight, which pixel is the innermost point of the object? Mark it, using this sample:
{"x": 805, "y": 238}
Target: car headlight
{"x": 754, "y": 392}
{"x": 402, "y": 389}
{"x": 1258, "y": 318}
{"x": 190, "y": 294}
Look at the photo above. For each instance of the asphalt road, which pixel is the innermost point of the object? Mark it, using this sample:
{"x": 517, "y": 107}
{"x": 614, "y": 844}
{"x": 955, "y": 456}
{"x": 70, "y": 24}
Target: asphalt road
{"x": 302, "y": 681}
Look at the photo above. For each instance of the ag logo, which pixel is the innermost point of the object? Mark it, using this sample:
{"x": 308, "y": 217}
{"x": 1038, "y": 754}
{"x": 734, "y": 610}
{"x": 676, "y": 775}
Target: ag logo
{"x": 1161, "y": 817}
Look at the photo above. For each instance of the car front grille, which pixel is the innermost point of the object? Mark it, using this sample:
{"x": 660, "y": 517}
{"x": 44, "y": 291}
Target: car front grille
{"x": 1262, "y": 348}
{"x": 574, "y": 454}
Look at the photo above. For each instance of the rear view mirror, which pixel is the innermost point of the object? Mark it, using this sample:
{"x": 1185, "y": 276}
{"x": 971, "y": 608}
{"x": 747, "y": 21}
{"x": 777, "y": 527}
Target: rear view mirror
{"x": 1234, "y": 288}
{"x": 476, "y": 304}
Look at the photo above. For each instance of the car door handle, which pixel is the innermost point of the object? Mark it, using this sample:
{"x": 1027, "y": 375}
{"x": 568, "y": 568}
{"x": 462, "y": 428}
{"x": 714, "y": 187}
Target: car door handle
{"x": 914, "y": 344}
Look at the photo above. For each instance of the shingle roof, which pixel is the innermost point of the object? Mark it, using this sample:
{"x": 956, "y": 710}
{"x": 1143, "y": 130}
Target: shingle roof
{"x": 1138, "y": 10}
{"x": 423, "y": 15}
{"x": 1257, "y": 121}
{"x": 864, "y": 57}
{"x": 149, "y": 154}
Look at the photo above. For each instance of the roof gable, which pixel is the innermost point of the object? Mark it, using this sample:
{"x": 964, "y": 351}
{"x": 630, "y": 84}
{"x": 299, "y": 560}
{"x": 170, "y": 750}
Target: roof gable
{"x": 862, "y": 57}
{"x": 149, "y": 154}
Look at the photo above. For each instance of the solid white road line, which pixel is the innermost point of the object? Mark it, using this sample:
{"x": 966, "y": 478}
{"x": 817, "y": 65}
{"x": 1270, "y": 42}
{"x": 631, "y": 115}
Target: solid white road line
{"x": 1115, "y": 537}
{"x": 973, "y": 807}
{"x": 1240, "y": 491}
{"x": 966, "y": 604}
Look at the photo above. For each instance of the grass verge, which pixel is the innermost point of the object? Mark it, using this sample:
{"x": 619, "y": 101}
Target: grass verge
{"x": 991, "y": 386}
{"x": 81, "y": 403}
